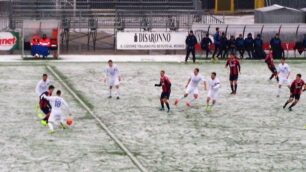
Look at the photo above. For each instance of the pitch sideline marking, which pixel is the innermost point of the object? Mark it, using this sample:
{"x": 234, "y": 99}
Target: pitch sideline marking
{"x": 112, "y": 135}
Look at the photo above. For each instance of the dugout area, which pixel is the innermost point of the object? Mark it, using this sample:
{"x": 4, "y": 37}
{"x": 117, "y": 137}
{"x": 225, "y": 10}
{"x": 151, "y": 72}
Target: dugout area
{"x": 31, "y": 28}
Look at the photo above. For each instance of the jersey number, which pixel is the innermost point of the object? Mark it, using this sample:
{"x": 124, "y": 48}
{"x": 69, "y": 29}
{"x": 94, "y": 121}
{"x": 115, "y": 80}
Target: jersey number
{"x": 57, "y": 103}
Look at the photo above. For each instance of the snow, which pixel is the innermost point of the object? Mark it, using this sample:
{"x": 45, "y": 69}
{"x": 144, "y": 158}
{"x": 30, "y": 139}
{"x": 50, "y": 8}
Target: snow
{"x": 246, "y": 132}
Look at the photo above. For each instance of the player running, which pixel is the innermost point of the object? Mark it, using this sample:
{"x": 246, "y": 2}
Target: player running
{"x": 56, "y": 117}
{"x": 165, "y": 83}
{"x": 213, "y": 90}
{"x": 44, "y": 105}
{"x": 283, "y": 74}
{"x": 295, "y": 91}
{"x": 42, "y": 85}
{"x": 192, "y": 86}
{"x": 235, "y": 69}
{"x": 113, "y": 78}
{"x": 270, "y": 62}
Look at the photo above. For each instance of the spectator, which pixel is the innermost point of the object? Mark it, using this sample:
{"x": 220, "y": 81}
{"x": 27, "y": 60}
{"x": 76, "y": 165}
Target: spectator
{"x": 216, "y": 42}
{"x": 34, "y": 46}
{"x": 240, "y": 45}
{"x": 223, "y": 46}
{"x": 249, "y": 45}
{"x": 276, "y": 46}
{"x": 258, "y": 49}
{"x": 191, "y": 41}
{"x": 205, "y": 43}
{"x": 44, "y": 43}
{"x": 232, "y": 45}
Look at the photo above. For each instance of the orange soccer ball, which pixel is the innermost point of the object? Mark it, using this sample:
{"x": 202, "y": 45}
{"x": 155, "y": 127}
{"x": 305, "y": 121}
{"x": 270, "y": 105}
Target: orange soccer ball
{"x": 69, "y": 121}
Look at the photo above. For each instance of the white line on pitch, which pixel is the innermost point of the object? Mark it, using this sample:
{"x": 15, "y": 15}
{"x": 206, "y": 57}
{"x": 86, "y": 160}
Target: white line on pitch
{"x": 111, "y": 134}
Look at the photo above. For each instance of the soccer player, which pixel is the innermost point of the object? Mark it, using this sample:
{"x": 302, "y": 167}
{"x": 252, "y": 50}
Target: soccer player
{"x": 271, "y": 66}
{"x": 45, "y": 106}
{"x": 213, "y": 89}
{"x": 56, "y": 117}
{"x": 165, "y": 83}
{"x": 192, "y": 86}
{"x": 295, "y": 91}
{"x": 283, "y": 74}
{"x": 113, "y": 78}
{"x": 235, "y": 69}
{"x": 42, "y": 85}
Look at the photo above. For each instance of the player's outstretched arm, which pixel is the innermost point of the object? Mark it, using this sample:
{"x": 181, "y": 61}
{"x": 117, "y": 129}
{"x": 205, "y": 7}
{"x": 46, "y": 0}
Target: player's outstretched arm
{"x": 67, "y": 107}
{"x": 158, "y": 85}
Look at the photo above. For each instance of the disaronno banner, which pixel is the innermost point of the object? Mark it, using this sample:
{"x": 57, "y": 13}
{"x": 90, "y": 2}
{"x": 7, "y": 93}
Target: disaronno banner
{"x": 151, "y": 40}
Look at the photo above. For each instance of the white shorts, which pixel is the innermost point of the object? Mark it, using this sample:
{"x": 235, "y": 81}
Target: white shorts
{"x": 113, "y": 81}
{"x": 192, "y": 90}
{"x": 213, "y": 94}
{"x": 283, "y": 81}
{"x": 56, "y": 118}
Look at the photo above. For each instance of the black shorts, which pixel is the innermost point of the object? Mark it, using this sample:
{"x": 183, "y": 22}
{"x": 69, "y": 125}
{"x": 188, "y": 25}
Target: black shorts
{"x": 295, "y": 96}
{"x": 165, "y": 95}
{"x": 233, "y": 77}
{"x": 45, "y": 110}
{"x": 273, "y": 69}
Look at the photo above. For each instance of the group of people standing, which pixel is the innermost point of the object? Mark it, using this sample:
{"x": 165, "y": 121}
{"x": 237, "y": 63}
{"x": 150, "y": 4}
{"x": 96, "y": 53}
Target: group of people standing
{"x": 222, "y": 46}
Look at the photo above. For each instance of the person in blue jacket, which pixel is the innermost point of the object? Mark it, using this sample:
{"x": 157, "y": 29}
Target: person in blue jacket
{"x": 240, "y": 45}
{"x": 276, "y": 46}
{"x": 223, "y": 46}
{"x": 232, "y": 45}
{"x": 259, "y": 53}
{"x": 191, "y": 41}
{"x": 249, "y": 45}
{"x": 205, "y": 43}
{"x": 217, "y": 42}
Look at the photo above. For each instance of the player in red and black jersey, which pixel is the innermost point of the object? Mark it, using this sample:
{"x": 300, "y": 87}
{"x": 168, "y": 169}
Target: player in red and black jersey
{"x": 271, "y": 66}
{"x": 235, "y": 68}
{"x": 165, "y": 83}
{"x": 44, "y": 104}
{"x": 296, "y": 90}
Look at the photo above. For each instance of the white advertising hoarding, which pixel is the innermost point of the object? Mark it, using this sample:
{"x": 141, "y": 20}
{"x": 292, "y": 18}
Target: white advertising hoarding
{"x": 151, "y": 40}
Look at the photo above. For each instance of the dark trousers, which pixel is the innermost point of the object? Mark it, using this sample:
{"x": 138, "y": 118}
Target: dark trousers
{"x": 277, "y": 53}
{"x": 222, "y": 52}
{"x": 241, "y": 51}
{"x": 217, "y": 49}
{"x": 259, "y": 53}
{"x": 192, "y": 51}
{"x": 250, "y": 52}
{"x": 207, "y": 50}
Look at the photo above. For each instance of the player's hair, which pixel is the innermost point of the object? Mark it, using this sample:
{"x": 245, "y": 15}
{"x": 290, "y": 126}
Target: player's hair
{"x": 214, "y": 73}
{"x": 110, "y": 61}
{"x": 58, "y": 92}
{"x": 191, "y": 31}
{"x": 45, "y": 74}
{"x": 299, "y": 75}
{"x": 197, "y": 69}
{"x": 217, "y": 28}
{"x": 283, "y": 58}
{"x": 163, "y": 71}
{"x": 51, "y": 87}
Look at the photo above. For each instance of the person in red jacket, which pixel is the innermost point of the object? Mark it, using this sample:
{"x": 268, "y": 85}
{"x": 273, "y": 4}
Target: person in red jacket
{"x": 165, "y": 83}
{"x": 44, "y": 43}
{"x": 34, "y": 45}
{"x": 296, "y": 90}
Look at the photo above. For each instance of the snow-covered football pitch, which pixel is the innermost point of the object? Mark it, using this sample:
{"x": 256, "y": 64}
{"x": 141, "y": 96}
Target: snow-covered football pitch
{"x": 246, "y": 132}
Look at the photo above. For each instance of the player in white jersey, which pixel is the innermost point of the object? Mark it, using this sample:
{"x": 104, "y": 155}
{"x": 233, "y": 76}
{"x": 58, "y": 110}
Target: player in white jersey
{"x": 42, "y": 85}
{"x": 213, "y": 90}
{"x": 192, "y": 86}
{"x": 283, "y": 73}
{"x": 112, "y": 78}
{"x": 56, "y": 117}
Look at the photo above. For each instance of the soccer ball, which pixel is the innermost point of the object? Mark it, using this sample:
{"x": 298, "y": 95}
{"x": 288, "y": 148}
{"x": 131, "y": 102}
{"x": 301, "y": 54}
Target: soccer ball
{"x": 69, "y": 121}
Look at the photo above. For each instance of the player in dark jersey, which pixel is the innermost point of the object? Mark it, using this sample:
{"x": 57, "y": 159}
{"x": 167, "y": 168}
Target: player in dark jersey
{"x": 165, "y": 83}
{"x": 271, "y": 66}
{"x": 296, "y": 90}
{"x": 234, "y": 66}
{"x": 44, "y": 104}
